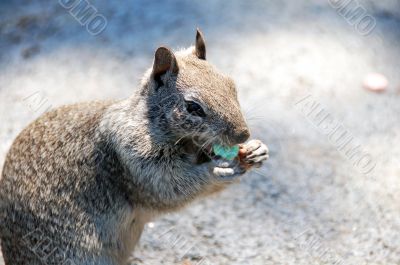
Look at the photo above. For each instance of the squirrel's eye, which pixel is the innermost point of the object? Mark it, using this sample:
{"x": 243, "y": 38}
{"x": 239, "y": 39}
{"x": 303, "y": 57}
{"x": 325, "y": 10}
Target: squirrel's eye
{"x": 195, "y": 109}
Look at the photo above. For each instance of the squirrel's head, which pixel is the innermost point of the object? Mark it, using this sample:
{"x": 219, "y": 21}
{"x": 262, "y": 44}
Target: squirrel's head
{"x": 188, "y": 98}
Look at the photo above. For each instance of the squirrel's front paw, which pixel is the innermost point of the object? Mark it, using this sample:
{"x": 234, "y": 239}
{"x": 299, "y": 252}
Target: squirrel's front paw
{"x": 227, "y": 170}
{"x": 254, "y": 153}
{"x": 250, "y": 155}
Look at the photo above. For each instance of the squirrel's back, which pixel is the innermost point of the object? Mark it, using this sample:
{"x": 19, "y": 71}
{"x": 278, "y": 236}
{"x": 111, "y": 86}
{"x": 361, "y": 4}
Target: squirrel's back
{"x": 55, "y": 188}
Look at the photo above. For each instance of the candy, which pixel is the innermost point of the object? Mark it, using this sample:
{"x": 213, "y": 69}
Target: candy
{"x": 242, "y": 153}
{"x": 242, "y": 157}
{"x": 226, "y": 152}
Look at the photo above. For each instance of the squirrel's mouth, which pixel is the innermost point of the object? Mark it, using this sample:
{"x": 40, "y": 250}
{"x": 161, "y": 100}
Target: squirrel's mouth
{"x": 202, "y": 150}
{"x": 205, "y": 154}
{"x": 208, "y": 149}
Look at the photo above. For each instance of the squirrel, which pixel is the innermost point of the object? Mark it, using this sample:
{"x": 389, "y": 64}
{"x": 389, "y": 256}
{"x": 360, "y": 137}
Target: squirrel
{"x": 79, "y": 183}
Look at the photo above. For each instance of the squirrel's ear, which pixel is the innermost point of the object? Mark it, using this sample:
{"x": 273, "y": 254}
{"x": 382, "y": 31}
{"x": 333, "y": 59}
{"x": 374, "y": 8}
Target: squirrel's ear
{"x": 200, "y": 45}
{"x": 164, "y": 60}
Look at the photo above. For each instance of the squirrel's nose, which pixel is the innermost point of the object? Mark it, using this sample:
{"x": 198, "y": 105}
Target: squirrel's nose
{"x": 242, "y": 136}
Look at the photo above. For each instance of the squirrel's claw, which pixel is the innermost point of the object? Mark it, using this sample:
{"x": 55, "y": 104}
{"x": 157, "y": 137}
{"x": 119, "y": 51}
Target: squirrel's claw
{"x": 257, "y": 152}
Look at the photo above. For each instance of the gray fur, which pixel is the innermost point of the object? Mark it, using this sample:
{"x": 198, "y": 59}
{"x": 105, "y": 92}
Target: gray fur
{"x": 80, "y": 182}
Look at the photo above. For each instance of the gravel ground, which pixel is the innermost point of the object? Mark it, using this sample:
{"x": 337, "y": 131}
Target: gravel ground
{"x": 311, "y": 203}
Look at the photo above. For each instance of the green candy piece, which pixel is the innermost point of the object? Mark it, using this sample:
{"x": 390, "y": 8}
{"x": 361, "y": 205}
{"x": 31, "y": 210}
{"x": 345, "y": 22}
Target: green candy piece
{"x": 226, "y": 152}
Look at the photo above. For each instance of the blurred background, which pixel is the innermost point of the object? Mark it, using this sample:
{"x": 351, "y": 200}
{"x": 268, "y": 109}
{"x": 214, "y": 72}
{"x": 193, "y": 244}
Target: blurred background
{"x": 311, "y": 203}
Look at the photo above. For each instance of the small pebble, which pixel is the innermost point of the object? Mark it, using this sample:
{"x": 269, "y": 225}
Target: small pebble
{"x": 375, "y": 82}
{"x": 186, "y": 262}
